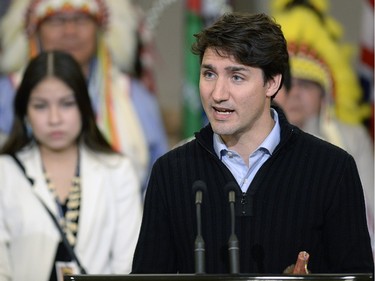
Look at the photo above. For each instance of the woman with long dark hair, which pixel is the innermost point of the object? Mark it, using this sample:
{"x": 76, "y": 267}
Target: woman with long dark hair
{"x": 68, "y": 202}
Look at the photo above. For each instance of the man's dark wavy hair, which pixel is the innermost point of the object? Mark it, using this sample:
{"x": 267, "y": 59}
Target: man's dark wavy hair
{"x": 254, "y": 40}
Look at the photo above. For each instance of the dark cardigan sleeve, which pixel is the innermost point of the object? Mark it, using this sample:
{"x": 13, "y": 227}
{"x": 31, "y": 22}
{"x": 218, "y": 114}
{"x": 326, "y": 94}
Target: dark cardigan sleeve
{"x": 155, "y": 252}
{"x": 348, "y": 243}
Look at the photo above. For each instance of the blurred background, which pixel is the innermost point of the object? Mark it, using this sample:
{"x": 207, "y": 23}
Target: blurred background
{"x": 166, "y": 22}
{"x": 170, "y": 31}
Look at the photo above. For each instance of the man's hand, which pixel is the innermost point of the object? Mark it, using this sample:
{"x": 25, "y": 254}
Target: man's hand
{"x": 300, "y": 267}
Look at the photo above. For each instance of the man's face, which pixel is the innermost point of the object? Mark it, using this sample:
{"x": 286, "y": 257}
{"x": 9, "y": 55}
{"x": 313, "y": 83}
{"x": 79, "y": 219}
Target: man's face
{"x": 72, "y": 32}
{"x": 234, "y": 96}
{"x": 303, "y": 101}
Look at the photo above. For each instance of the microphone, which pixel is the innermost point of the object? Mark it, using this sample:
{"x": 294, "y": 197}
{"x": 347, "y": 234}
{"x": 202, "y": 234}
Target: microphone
{"x": 233, "y": 244}
{"x": 199, "y": 247}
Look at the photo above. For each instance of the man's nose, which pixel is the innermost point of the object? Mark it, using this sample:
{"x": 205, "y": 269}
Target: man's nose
{"x": 220, "y": 90}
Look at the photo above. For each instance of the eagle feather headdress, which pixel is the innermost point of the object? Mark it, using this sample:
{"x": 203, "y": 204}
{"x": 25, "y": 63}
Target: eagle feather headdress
{"x": 317, "y": 53}
{"x": 117, "y": 19}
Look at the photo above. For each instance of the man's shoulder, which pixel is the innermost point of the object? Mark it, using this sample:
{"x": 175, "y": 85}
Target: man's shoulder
{"x": 183, "y": 141}
{"x": 186, "y": 148}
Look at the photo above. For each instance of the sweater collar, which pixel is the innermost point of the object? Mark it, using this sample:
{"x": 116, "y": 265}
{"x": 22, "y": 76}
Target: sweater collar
{"x": 288, "y": 132}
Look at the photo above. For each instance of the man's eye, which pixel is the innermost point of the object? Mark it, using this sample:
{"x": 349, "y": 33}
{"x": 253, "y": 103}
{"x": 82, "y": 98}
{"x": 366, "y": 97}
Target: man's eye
{"x": 208, "y": 74}
{"x": 237, "y": 78}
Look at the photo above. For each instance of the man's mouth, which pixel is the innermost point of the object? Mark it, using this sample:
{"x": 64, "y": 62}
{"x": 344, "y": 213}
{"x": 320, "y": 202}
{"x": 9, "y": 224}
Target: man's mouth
{"x": 223, "y": 110}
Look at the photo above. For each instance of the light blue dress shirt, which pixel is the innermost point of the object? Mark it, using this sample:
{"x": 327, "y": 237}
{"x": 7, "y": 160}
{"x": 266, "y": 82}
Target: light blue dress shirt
{"x": 242, "y": 173}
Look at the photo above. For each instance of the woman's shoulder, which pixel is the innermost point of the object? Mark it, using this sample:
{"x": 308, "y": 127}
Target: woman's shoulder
{"x": 5, "y": 159}
{"x": 9, "y": 169}
{"x": 25, "y": 154}
{"x": 115, "y": 168}
{"x": 105, "y": 160}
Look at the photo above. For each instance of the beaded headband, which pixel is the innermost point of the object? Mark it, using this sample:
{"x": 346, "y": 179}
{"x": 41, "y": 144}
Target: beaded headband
{"x": 306, "y": 64}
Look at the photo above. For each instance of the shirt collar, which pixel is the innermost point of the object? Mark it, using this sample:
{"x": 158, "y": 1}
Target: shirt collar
{"x": 269, "y": 143}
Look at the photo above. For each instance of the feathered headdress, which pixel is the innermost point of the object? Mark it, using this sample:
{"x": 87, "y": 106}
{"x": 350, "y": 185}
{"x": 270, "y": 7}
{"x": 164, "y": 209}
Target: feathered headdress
{"x": 317, "y": 54}
{"x": 116, "y": 18}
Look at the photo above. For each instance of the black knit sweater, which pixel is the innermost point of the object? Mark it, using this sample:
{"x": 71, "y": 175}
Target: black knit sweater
{"x": 307, "y": 196}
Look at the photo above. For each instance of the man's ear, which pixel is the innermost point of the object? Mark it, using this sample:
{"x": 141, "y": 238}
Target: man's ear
{"x": 273, "y": 85}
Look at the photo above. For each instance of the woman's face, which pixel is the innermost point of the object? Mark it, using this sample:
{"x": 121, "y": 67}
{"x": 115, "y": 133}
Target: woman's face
{"x": 53, "y": 114}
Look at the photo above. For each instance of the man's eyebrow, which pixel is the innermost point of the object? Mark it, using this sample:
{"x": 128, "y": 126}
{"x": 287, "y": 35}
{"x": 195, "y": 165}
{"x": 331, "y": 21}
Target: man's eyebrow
{"x": 228, "y": 68}
{"x": 236, "y": 68}
{"x": 207, "y": 66}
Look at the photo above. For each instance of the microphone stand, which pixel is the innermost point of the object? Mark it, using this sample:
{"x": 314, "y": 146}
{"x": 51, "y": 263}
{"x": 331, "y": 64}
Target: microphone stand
{"x": 233, "y": 244}
{"x": 199, "y": 245}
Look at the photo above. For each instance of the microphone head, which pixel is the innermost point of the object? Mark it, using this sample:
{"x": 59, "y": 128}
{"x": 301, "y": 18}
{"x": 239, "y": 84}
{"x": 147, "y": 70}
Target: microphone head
{"x": 231, "y": 188}
{"x": 199, "y": 187}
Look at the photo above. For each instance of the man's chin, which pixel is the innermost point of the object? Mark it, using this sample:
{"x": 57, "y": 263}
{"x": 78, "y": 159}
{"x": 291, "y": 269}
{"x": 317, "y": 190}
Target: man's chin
{"x": 222, "y": 130}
